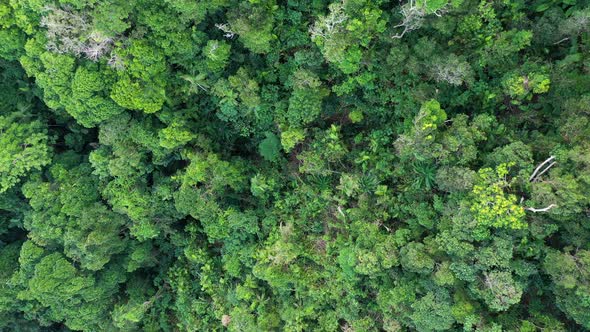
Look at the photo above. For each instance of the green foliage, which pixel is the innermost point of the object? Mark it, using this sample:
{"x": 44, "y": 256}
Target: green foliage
{"x": 253, "y": 22}
{"x": 270, "y": 147}
{"x": 258, "y": 165}
{"x": 500, "y": 291}
{"x": 58, "y": 291}
{"x": 217, "y": 54}
{"x": 25, "y": 148}
{"x": 12, "y": 38}
{"x": 67, "y": 212}
{"x": 414, "y": 258}
{"x": 431, "y": 116}
{"x": 8, "y": 264}
{"x": 89, "y": 105}
{"x": 346, "y": 31}
{"x": 291, "y": 137}
{"x": 111, "y": 18}
{"x": 571, "y": 273}
{"x": 492, "y": 206}
{"x": 175, "y": 135}
{"x": 141, "y": 85}
{"x": 305, "y": 103}
{"x": 432, "y": 312}
{"x": 524, "y": 87}
{"x": 127, "y": 315}
{"x": 420, "y": 138}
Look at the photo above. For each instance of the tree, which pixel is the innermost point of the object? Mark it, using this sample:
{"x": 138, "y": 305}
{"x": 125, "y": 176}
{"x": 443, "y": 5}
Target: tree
{"x": 141, "y": 85}
{"x": 25, "y": 148}
{"x": 432, "y": 312}
{"x": 67, "y": 212}
{"x": 88, "y": 104}
{"x": 253, "y": 22}
{"x": 305, "y": 103}
{"x": 8, "y": 303}
{"x": 259, "y": 165}
{"x": 70, "y": 31}
{"x": 217, "y": 54}
{"x": 58, "y": 291}
{"x": 491, "y": 206}
{"x": 414, "y": 258}
{"x": 500, "y": 291}
{"x": 346, "y": 31}
{"x": 570, "y": 275}
{"x": 420, "y": 137}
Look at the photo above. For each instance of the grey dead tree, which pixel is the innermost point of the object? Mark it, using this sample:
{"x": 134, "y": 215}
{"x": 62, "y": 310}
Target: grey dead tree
{"x": 71, "y": 31}
{"x": 326, "y": 26}
{"x": 452, "y": 70}
{"x": 63, "y": 30}
{"x": 97, "y": 45}
{"x": 413, "y": 17}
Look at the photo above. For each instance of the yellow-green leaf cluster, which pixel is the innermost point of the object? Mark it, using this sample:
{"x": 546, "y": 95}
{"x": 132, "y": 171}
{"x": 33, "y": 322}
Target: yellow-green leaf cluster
{"x": 492, "y": 206}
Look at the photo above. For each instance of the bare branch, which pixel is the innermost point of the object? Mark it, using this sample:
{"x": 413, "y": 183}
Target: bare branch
{"x": 326, "y": 26}
{"x": 340, "y": 211}
{"x": 400, "y": 35}
{"x": 70, "y": 31}
{"x": 228, "y": 33}
{"x": 534, "y": 175}
{"x": 116, "y": 62}
{"x": 545, "y": 209}
{"x": 451, "y": 69}
{"x": 413, "y": 16}
{"x": 545, "y": 170}
{"x": 561, "y": 41}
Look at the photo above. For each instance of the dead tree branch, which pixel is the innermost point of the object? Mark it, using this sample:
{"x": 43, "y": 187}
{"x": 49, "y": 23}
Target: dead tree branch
{"x": 545, "y": 209}
{"x": 540, "y": 170}
{"x": 534, "y": 175}
{"x": 545, "y": 170}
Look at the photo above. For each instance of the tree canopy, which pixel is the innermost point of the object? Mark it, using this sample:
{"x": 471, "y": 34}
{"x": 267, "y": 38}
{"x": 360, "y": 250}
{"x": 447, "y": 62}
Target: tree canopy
{"x": 300, "y": 165}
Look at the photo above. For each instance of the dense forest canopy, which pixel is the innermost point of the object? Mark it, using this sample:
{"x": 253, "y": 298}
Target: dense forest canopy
{"x": 295, "y": 165}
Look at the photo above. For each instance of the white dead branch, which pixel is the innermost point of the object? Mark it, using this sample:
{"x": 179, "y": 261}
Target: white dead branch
{"x": 540, "y": 170}
{"x": 534, "y": 176}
